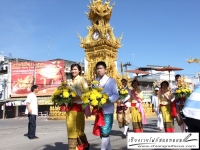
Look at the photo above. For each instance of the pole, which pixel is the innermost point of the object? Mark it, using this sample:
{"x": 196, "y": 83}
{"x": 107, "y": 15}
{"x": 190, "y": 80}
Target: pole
{"x": 4, "y": 95}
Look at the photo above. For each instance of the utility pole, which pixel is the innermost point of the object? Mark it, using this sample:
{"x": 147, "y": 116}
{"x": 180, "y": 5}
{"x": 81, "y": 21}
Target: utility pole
{"x": 126, "y": 64}
{"x": 4, "y": 96}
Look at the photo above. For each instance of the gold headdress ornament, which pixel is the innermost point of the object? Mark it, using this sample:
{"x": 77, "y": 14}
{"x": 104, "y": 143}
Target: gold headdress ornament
{"x": 157, "y": 83}
{"x": 135, "y": 79}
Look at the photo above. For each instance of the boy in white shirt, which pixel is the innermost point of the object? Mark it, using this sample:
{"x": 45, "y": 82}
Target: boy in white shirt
{"x": 110, "y": 87}
{"x": 32, "y": 111}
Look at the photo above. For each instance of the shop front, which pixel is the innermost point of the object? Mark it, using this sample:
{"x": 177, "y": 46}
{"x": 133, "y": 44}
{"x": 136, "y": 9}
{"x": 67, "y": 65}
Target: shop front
{"x": 15, "y": 108}
{"x": 44, "y": 104}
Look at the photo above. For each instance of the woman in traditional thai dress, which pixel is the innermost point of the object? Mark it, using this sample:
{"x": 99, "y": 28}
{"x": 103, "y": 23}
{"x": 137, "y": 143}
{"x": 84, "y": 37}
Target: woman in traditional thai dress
{"x": 137, "y": 110}
{"x": 164, "y": 98}
{"x": 75, "y": 118}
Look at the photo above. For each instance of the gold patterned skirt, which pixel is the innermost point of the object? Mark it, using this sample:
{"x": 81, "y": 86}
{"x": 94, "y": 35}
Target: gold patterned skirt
{"x": 123, "y": 117}
{"x": 167, "y": 118}
{"x": 136, "y": 118}
{"x": 75, "y": 121}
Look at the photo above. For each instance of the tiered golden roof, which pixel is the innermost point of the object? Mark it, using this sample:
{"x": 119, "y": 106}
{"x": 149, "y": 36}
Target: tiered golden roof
{"x": 101, "y": 44}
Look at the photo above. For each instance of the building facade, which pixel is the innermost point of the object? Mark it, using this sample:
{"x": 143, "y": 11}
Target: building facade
{"x": 22, "y": 74}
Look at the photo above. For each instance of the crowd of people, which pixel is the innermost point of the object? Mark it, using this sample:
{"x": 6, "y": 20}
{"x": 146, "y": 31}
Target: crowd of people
{"x": 129, "y": 108}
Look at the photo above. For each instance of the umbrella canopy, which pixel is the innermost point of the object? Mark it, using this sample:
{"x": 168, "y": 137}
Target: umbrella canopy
{"x": 169, "y": 69}
{"x": 137, "y": 71}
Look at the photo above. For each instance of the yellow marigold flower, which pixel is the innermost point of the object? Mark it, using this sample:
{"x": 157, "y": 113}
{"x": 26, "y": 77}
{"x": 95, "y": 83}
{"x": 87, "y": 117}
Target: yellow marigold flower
{"x": 126, "y": 91}
{"x": 95, "y": 82}
{"x": 94, "y": 91}
{"x": 65, "y": 94}
{"x": 73, "y": 94}
{"x": 57, "y": 92}
{"x": 94, "y": 103}
{"x": 65, "y": 90}
{"x": 88, "y": 94}
{"x": 85, "y": 100}
{"x": 105, "y": 96}
{"x": 93, "y": 97}
{"x": 177, "y": 91}
{"x": 103, "y": 101}
{"x": 83, "y": 96}
{"x": 183, "y": 90}
{"x": 122, "y": 92}
{"x": 98, "y": 95}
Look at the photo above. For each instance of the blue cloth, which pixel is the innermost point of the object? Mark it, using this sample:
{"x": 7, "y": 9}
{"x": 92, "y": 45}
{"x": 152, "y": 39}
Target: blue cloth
{"x": 192, "y": 105}
{"x": 110, "y": 87}
{"x": 105, "y": 130}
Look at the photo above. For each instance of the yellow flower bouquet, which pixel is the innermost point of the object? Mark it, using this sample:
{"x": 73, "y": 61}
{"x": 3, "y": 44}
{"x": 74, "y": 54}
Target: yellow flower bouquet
{"x": 94, "y": 96}
{"x": 63, "y": 96}
{"x": 123, "y": 93}
{"x": 183, "y": 91}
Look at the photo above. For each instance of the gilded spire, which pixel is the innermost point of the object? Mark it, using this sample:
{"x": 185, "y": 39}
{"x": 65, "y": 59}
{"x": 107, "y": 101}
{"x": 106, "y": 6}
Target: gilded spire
{"x": 196, "y": 60}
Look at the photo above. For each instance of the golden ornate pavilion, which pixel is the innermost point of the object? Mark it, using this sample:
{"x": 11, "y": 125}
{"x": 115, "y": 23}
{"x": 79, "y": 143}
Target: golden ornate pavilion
{"x": 101, "y": 44}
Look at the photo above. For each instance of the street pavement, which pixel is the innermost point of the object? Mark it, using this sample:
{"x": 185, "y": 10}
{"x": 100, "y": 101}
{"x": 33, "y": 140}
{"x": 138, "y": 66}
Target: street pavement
{"x": 53, "y": 136}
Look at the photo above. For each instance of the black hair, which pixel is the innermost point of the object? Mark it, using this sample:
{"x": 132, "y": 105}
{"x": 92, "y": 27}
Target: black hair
{"x": 177, "y": 76}
{"x": 135, "y": 81}
{"x": 123, "y": 80}
{"x": 33, "y": 88}
{"x": 164, "y": 82}
{"x": 78, "y": 66}
{"x": 101, "y": 63}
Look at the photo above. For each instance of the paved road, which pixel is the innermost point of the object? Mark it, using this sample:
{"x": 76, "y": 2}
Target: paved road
{"x": 52, "y": 135}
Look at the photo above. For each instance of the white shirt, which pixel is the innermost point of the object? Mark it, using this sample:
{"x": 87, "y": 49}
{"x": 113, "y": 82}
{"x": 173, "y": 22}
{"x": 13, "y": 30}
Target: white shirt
{"x": 155, "y": 102}
{"x": 110, "y": 88}
{"x": 32, "y": 99}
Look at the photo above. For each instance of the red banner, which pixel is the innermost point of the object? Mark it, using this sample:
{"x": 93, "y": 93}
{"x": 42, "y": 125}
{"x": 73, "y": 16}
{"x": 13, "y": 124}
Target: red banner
{"x": 47, "y": 75}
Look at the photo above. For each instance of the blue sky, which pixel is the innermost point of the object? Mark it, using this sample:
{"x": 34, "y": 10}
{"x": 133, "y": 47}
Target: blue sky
{"x": 157, "y": 32}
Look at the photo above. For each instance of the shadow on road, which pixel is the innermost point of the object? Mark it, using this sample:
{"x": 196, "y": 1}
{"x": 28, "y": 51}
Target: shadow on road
{"x": 61, "y": 146}
{"x": 116, "y": 133}
{"x": 151, "y": 126}
{"x": 58, "y": 146}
